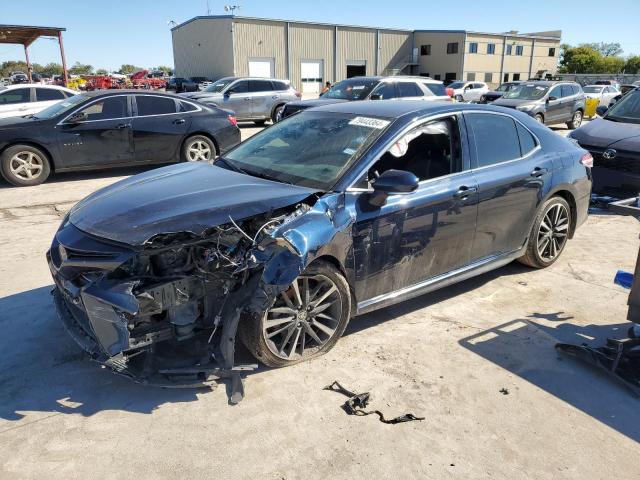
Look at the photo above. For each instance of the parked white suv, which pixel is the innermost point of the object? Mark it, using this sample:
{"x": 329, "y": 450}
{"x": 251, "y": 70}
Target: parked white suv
{"x": 468, "y": 91}
{"x": 29, "y": 99}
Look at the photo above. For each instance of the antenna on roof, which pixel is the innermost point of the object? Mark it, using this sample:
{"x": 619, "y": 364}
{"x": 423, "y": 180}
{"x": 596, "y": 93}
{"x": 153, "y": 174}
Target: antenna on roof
{"x": 231, "y": 8}
{"x": 208, "y": 8}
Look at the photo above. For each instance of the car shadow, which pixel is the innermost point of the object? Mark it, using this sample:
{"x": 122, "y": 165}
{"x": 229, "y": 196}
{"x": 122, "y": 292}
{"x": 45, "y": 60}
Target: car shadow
{"x": 525, "y": 347}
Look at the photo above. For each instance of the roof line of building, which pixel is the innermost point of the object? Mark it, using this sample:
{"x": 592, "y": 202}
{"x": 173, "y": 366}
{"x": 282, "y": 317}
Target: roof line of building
{"x": 303, "y": 22}
{"x": 499, "y": 34}
{"x": 31, "y": 27}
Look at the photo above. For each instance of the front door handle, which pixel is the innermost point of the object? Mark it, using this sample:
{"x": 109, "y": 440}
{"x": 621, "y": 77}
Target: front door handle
{"x": 538, "y": 172}
{"x": 121, "y": 126}
{"x": 179, "y": 121}
{"x": 464, "y": 192}
{"x": 247, "y": 98}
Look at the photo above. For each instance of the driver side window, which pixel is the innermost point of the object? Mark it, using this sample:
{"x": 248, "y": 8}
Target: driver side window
{"x": 556, "y": 92}
{"x": 429, "y": 151}
{"x": 240, "y": 87}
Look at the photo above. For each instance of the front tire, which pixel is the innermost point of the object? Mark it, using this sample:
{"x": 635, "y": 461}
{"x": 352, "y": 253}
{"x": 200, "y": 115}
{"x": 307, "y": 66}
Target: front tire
{"x": 459, "y": 98}
{"x": 198, "y": 148}
{"x": 304, "y": 322}
{"x": 24, "y": 165}
{"x": 576, "y": 121}
{"x": 277, "y": 113}
{"x": 539, "y": 118}
{"x": 549, "y": 234}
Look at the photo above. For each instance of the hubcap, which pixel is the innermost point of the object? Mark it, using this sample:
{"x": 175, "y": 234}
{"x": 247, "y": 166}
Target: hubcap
{"x": 303, "y": 318}
{"x": 552, "y": 234}
{"x": 198, "y": 151}
{"x": 577, "y": 119}
{"x": 26, "y": 165}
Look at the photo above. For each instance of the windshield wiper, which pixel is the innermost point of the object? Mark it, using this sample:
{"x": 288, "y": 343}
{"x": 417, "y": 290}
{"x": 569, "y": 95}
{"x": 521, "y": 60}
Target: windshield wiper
{"x": 269, "y": 177}
{"x": 233, "y": 167}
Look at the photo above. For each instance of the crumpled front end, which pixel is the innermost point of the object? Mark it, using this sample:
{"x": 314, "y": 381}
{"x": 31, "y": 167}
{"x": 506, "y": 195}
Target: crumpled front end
{"x": 167, "y": 313}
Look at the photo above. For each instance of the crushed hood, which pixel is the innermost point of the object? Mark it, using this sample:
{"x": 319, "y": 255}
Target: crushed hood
{"x": 188, "y": 197}
{"x": 604, "y": 133}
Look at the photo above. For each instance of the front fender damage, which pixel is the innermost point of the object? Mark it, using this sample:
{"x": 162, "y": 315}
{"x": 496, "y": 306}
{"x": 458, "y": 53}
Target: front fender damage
{"x": 169, "y": 315}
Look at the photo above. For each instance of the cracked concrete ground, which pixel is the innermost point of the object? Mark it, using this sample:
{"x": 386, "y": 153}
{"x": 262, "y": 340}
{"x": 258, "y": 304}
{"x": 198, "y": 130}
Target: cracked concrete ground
{"x": 476, "y": 359}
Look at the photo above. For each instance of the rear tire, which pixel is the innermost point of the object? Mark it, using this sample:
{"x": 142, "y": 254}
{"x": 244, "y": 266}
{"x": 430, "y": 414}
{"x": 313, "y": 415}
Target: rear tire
{"x": 276, "y": 113}
{"x": 576, "y": 121}
{"x": 539, "y": 118}
{"x": 459, "y": 98}
{"x": 549, "y": 233}
{"x": 24, "y": 165}
{"x": 289, "y": 332}
{"x": 198, "y": 148}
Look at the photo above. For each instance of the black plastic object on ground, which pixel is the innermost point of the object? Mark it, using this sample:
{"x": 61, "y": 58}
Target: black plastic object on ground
{"x": 357, "y": 403}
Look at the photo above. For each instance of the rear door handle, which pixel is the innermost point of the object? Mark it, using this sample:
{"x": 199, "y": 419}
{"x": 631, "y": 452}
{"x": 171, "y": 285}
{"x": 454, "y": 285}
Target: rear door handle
{"x": 179, "y": 121}
{"x": 538, "y": 172}
{"x": 464, "y": 192}
{"x": 120, "y": 126}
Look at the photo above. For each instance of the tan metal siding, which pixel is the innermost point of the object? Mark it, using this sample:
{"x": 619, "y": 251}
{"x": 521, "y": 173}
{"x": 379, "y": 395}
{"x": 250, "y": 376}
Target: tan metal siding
{"x": 258, "y": 39}
{"x": 396, "y": 49}
{"x": 356, "y": 44}
{"x": 310, "y": 42}
{"x": 203, "y": 48}
{"x": 440, "y": 62}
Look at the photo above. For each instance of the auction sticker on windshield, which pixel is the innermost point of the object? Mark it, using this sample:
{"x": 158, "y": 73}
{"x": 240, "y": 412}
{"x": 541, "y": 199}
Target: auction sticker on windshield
{"x": 369, "y": 122}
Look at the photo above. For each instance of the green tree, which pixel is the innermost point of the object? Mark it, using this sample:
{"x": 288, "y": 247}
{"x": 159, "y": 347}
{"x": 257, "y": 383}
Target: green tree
{"x": 52, "y": 69}
{"x": 101, "y": 71}
{"x": 80, "y": 69}
{"x": 611, "y": 49}
{"x": 632, "y": 65}
{"x": 581, "y": 59}
{"x": 611, "y": 65}
{"x": 12, "y": 66}
{"x": 128, "y": 69}
{"x": 165, "y": 69}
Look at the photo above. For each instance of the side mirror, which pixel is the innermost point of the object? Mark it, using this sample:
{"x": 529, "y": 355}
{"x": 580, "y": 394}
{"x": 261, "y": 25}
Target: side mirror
{"x": 552, "y": 98}
{"x": 77, "y": 117}
{"x": 392, "y": 182}
{"x": 228, "y": 92}
{"x": 375, "y": 96}
{"x": 601, "y": 110}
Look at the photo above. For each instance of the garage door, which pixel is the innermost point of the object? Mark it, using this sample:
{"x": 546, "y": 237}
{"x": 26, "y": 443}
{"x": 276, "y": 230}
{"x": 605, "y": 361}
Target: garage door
{"x": 261, "y": 67}
{"x": 311, "y": 76}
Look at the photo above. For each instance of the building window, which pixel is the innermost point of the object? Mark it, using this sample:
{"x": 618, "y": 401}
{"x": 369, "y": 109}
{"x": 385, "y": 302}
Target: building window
{"x": 516, "y": 77}
{"x": 506, "y": 77}
{"x": 425, "y": 49}
{"x": 488, "y": 77}
{"x": 473, "y": 47}
{"x": 519, "y": 49}
{"x": 436, "y": 77}
{"x": 552, "y": 52}
{"x": 509, "y": 49}
{"x": 452, "y": 47}
{"x": 449, "y": 77}
{"x": 491, "y": 48}
{"x": 423, "y": 74}
{"x": 471, "y": 76}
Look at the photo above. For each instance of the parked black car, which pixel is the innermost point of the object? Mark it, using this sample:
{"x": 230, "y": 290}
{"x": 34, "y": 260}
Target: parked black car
{"x": 334, "y": 212}
{"x": 493, "y": 95}
{"x": 179, "y": 85}
{"x": 549, "y": 102}
{"x": 109, "y": 128}
{"x": 614, "y": 142}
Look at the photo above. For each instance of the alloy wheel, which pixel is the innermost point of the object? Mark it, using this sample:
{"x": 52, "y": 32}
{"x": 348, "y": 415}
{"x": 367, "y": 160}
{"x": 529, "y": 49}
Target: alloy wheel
{"x": 303, "y": 318}
{"x": 26, "y": 165}
{"x": 577, "y": 119}
{"x": 198, "y": 151}
{"x": 552, "y": 233}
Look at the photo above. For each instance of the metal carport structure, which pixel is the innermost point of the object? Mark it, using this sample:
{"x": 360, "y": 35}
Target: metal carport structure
{"x": 26, "y": 35}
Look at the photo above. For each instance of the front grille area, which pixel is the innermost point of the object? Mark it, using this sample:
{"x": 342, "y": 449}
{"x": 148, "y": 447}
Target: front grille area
{"x": 627, "y": 162}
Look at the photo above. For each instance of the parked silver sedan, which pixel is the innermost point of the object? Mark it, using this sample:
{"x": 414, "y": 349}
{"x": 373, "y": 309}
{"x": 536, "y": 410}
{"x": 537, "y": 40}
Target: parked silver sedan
{"x": 256, "y": 99}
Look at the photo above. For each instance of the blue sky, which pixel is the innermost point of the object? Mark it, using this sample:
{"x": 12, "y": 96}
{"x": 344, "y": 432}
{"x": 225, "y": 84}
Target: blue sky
{"x": 115, "y": 32}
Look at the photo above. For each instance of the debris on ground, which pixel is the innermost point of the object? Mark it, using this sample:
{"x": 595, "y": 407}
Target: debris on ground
{"x": 504, "y": 391}
{"x": 357, "y": 403}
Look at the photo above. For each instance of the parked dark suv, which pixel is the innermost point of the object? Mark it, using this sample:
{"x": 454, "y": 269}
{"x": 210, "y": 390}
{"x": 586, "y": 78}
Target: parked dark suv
{"x": 548, "y": 102}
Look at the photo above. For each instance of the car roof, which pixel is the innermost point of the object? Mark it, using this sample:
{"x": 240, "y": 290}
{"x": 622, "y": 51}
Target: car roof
{"x": 257, "y": 78}
{"x": 409, "y": 78}
{"x": 39, "y": 85}
{"x": 98, "y": 93}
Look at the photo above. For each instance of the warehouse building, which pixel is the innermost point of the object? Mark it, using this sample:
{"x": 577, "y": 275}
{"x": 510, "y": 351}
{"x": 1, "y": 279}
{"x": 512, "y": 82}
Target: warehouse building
{"x": 311, "y": 53}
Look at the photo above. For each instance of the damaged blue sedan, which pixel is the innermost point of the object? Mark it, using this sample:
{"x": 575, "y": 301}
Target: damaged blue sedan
{"x": 332, "y": 213}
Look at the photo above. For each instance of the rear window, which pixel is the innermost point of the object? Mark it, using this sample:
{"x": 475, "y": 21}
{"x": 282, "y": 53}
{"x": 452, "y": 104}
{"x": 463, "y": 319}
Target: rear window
{"x": 437, "y": 89}
{"x": 279, "y": 85}
{"x": 47, "y": 94}
{"x": 186, "y": 107}
{"x": 496, "y": 138}
{"x": 150, "y": 105}
{"x": 409, "y": 89}
{"x": 260, "y": 86}
{"x": 18, "y": 95}
{"x": 527, "y": 141}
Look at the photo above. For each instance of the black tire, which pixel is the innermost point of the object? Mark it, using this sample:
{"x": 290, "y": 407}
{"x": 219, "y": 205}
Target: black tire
{"x": 253, "y": 331}
{"x": 276, "y": 111}
{"x": 533, "y": 256}
{"x": 539, "y": 118}
{"x": 259, "y": 123}
{"x": 198, "y": 143}
{"x": 459, "y": 98}
{"x": 576, "y": 120}
{"x": 24, "y": 165}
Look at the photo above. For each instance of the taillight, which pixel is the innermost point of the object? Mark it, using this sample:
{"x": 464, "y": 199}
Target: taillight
{"x": 449, "y": 91}
{"x": 298, "y": 94}
{"x": 232, "y": 120}
{"x": 587, "y": 160}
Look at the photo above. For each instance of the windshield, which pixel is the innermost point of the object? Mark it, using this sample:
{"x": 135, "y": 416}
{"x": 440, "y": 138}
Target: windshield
{"x": 626, "y": 110}
{"x": 526, "y": 92}
{"x": 310, "y": 149}
{"x": 456, "y": 85}
{"x": 62, "y": 107}
{"x": 217, "y": 87}
{"x": 354, "y": 89}
{"x": 592, "y": 89}
{"x": 505, "y": 87}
